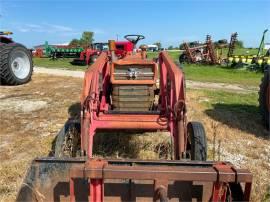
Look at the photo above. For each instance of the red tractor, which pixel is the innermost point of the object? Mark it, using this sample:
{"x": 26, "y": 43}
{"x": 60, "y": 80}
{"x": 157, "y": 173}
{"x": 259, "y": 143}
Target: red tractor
{"x": 128, "y": 92}
{"x": 16, "y": 61}
{"x": 89, "y": 55}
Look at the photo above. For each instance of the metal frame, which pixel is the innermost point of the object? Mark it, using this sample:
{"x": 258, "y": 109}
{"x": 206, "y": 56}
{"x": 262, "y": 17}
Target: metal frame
{"x": 208, "y": 53}
{"x": 95, "y": 109}
{"x": 219, "y": 180}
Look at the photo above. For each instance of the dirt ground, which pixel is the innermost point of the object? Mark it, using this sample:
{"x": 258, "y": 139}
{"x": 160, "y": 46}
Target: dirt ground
{"x": 32, "y": 114}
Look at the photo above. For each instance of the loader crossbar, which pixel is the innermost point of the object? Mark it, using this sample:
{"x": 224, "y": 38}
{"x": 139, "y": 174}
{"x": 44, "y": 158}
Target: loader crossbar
{"x": 216, "y": 178}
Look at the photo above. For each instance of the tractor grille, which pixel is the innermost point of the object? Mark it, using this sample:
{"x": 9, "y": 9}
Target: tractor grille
{"x": 136, "y": 98}
{"x": 134, "y": 72}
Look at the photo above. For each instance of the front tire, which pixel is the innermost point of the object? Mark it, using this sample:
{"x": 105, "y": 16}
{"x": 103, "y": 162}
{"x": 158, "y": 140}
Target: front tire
{"x": 197, "y": 140}
{"x": 16, "y": 64}
{"x": 68, "y": 141}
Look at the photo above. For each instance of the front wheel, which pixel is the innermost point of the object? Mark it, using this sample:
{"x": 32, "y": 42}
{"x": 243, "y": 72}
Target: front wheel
{"x": 197, "y": 141}
{"x": 68, "y": 140}
{"x": 16, "y": 64}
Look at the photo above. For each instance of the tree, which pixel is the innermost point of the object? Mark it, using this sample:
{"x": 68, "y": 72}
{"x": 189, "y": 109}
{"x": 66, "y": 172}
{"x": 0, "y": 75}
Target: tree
{"x": 181, "y": 46}
{"x": 158, "y": 44}
{"x": 170, "y": 48}
{"x": 74, "y": 42}
{"x": 239, "y": 44}
{"x": 87, "y": 38}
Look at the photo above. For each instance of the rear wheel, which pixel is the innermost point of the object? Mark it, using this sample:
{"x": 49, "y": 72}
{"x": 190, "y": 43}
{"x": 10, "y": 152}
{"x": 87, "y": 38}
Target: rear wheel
{"x": 16, "y": 64}
{"x": 197, "y": 140}
{"x": 264, "y": 97}
{"x": 68, "y": 140}
{"x": 183, "y": 58}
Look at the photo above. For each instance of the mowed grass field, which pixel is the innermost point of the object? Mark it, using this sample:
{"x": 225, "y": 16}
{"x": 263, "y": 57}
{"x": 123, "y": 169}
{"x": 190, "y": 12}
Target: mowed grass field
{"x": 204, "y": 73}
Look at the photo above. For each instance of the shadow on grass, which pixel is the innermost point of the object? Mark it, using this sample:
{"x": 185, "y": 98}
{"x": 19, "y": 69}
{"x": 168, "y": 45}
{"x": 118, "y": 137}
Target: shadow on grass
{"x": 239, "y": 116}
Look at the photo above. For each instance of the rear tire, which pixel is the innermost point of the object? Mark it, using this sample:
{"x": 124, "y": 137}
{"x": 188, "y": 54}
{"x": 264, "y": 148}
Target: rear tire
{"x": 16, "y": 65}
{"x": 263, "y": 97}
{"x": 197, "y": 140}
{"x": 183, "y": 58}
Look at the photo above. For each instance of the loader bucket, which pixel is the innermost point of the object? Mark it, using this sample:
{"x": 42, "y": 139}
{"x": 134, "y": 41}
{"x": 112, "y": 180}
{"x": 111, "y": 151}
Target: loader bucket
{"x": 48, "y": 180}
{"x": 51, "y": 179}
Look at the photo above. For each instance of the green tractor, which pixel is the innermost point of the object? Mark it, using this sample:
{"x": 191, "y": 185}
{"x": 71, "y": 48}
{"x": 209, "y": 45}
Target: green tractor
{"x": 264, "y": 97}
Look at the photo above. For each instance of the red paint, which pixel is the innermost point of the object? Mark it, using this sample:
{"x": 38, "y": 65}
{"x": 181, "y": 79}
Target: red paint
{"x": 96, "y": 190}
{"x": 95, "y": 105}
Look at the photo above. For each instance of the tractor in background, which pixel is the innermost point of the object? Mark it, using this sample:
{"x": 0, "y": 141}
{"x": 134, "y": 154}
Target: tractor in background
{"x": 90, "y": 54}
{"x": 16, "y": 61}
{"x": 125, "y": 91}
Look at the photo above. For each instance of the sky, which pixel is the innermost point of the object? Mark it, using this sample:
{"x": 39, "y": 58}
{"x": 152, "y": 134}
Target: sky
{"x": 170, "y": 22}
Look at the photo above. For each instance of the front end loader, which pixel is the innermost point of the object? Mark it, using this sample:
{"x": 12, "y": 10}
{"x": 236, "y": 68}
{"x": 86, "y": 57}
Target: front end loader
{"x": 133, "y": 93}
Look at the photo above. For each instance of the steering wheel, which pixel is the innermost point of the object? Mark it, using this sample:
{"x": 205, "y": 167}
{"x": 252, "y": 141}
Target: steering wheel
{"x": 134, "y": 38}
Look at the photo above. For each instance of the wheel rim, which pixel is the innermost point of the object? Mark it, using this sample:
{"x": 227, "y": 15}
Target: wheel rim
{"x": 20, "y": 64}
{"x": 267, "y": 97}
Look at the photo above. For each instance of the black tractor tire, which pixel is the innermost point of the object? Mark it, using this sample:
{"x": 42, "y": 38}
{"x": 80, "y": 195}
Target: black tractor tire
{"x": 197, "y": 140}
{"x": 8, "y": 54}
{"x": 265, "y": 84}
{"x": 183, "y": 58}
{"x": 67, "y": 142}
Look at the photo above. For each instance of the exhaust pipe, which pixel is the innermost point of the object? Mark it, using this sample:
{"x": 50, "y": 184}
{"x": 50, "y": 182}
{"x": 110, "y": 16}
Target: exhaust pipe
{"x": 112, "y": 48}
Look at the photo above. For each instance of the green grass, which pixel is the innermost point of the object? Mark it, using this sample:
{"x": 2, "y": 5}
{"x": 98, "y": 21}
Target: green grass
{"x": 236, "y": 110}
{"x": 231, "y": 98}
{"x": 210, "y": 73}
{"x": 173, "y": 54}
{"x": 221, "y": 75}
{"x": 62, "y": 63}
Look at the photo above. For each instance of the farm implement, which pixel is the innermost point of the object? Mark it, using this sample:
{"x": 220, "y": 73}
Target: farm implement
{"x": 125, "y": 91}
{"x": 61, "y": 51}
{"x": 199, "y": 53}
{"x": 16, "y": 64}
{"x": 208, "y": 52}
{"x": 253, "y": 62}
